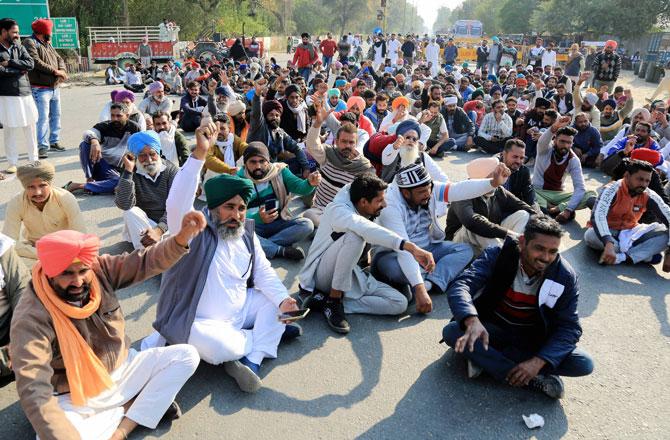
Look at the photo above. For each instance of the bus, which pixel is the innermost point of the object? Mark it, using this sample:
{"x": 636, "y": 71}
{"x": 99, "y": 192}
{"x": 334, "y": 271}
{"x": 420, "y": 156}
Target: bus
{"x": 468, "y": 29}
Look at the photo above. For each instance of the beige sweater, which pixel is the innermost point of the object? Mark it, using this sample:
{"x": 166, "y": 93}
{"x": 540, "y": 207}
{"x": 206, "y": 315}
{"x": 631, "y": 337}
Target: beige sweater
{"x": 60, "y": 212}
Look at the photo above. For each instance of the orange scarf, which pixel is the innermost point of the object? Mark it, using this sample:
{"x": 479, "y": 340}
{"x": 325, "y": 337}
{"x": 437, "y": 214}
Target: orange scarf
{"x": 86, "y": 375}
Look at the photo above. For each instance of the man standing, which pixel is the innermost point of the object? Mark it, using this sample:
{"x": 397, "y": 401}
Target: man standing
{"x": 327, "y": 48}
{"x": 408, "y": 50}
{"x": 393, "y": 46}
{"x": 606, "y": 66}
{"x": 14, "y": 278}
{"x": 549, "y": 57}
{"x": 18, "y": 112}
{"x": 433, "y": 56}
{"x": 144, "y": 51}
{"x": 305, "y": 56}
{"x": 482, "y": 54}
{"x": 519, "y": 182}
{"x": 555, "y": 159}
{"x": 39, "y": 209}
{"x": 515, "y": 313}
{"x": 76, "y": 374}
{"x": 615, "y": 221}
{"x": 143, "y": 190}
{"x": 45, "y": 78}
{"x": 450, "y": 53}
{"x": 494, "y": 56}
{"x": 536, "y": 54}
{"x": 343, "y": 49}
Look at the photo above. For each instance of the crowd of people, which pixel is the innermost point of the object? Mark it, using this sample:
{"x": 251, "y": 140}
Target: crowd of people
{"x": 260, "y": 157}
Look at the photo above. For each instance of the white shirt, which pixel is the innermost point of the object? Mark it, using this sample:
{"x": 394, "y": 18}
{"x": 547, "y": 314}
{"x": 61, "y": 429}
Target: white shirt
{"x": 549, "y": 58}
{"x": 393, "y": 47}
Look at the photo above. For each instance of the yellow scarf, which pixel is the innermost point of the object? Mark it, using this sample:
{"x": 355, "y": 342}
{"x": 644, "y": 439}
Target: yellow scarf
{"x": 86, "y": 375}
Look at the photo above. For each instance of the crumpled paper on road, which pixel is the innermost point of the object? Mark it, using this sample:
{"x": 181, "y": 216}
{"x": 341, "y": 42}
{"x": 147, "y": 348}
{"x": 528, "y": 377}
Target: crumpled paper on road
{"x": 533, "y": 421}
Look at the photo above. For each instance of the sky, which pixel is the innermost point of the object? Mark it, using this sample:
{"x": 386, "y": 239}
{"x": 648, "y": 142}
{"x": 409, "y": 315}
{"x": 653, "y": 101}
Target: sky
{"x": 428, "y": 9}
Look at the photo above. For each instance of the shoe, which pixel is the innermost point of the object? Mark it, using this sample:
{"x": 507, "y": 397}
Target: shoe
{"x": 11, "y": 170}
{"x": 474, "y": 370}
{"x": 56, "y": 146}
{"x": 291, "y": 331}
{"x": 334, "y": 313}
{"x": 172, "y": 413}
{"x": 246, "y": 378}
{"x": 311, "y": 300}
{"x": 291, "y": 253}
{"x": 551, "y": 385}
{"x": 42, "y": 153}
{"x": 655, "y": 259}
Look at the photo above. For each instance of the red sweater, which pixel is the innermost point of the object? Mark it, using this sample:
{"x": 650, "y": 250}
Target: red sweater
{"x": 328, "y": 47}
{"x": 304, "y": 57}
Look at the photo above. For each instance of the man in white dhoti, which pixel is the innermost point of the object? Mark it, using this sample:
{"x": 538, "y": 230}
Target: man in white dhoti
{"x": 433, "y": 56}
{"x": 18, "y": 112}
{"x": 224, "y": 298}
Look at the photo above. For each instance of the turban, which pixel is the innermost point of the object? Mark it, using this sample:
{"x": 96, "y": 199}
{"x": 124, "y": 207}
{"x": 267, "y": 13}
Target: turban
{"x": 591, "y": 98}
{"x": 412, "y": 176}
{"x": 495, "y": 88}
{"x": 334, "y": 92}
{"x": 610, "y": 102}
{"x": 492, "y": 77}
{"x": 43, "y": 26}
{"x": 450, "y": 100}
{"x": 36, "y": 170}
{"x": 338, "y": 65}
{"x": 392, "y": 81}
{"x": 354, "y": 82}
{"x": 482, "y": 167}
{"x": 356, "y": 101}
{"x": 270, "y": 105}
{"x": 465, "y": 65}
{"x": 156, "y": 86}
{"x": 256, "y": 149}
{"x": 642, "y": 110}
{"x": 141, "y": 139}
{"x": 340, "y": 83}
{"x": 406, "y": 126}
{"x": 123, "y": 94}
{"x": 224, "y": 187}
{"x": 476, "y": 93}
{"x": 56, "y": 251}
{"x": 647, "y": 155}
{"x": 495, "y": 39}
{"x": 521, "y": 82}
{"x": 222, "y": 91}
{"x": 291, "y": 89}
{"x": 236, "y": 107}
{"x": 418, "y": 84}
{"x": 611, "y": 43}
{"x": 400, "y": 100}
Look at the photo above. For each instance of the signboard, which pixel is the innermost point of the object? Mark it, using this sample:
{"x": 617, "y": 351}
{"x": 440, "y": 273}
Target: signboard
{"x": 24, "y": 12}
{"x": 65, "y": 33}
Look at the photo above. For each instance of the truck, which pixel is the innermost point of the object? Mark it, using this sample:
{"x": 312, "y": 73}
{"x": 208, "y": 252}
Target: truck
{"x": 120, "y": 43}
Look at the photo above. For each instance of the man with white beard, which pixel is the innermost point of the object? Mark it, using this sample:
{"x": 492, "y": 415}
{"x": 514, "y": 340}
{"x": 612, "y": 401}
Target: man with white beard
{"x": 174, "y": 146}
{"x": 143, "y": 189}
{"x": 433, "y": 56}
{"x": 156, "y": 101}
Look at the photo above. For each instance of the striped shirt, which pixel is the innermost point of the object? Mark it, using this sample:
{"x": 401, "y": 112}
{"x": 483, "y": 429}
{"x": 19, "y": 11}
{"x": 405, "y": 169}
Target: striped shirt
{"x": 519, "y": 307}
{"x": 332, "y": 180}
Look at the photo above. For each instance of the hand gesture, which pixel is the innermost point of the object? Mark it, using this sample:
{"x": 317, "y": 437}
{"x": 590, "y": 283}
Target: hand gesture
{"x": 314, "y": 179}
{"x": 500, "y": 175}
{"x": 205, "y": 136}
{"x": 474, "y": 330}
{"x": 151, "y": 236}
{"x": 224, "y": 78}
{"x": 400, "y": 140}
{"x": 192, "y": 224}
{"x": 321, "y": 112}
{"x": 561, "y": 122}
{"x": 211, "y": 87}
{"x": 268, "y": 216}
{"x": 422, "y": 300}
{"x": 584, "y": 76}
{"x": 261, "y": 87}
{"x": 609, "y": 255}
{"x": 129, "y": 162}
{"x": 630, "y": 144}
{"x": 424, "y": 258}
{"x": 288, "y": 305}
{"x": 96, "y": 151}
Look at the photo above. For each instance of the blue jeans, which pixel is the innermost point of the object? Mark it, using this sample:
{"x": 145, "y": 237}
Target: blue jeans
{"x": 273, "y": 236}
{"x": 103, "y": 176}
{"x": 507, "y": 349}
{"x": 492, "y": 67}
{"x": 305, "y": 72}
{"x": 48, "y": 121}
{"x": 460, "y": 140}
{"x": 450, "y": 260}
{"x": 326, "y": 62}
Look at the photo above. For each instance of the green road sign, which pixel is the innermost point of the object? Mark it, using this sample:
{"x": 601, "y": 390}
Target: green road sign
{"x": 24, "y": 12}
{"x": 65, "y": 33}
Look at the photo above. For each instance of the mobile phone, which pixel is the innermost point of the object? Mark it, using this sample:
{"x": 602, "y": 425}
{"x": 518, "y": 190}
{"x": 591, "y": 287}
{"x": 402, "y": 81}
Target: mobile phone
{"x": 293, "y": 316}
{"x": 270, "y": 205}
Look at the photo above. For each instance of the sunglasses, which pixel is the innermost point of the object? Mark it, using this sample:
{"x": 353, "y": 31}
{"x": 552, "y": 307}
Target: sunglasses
{"x": 411, "y": 138}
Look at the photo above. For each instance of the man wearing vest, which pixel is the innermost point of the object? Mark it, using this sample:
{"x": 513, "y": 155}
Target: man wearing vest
{"x": 554, "y": 160}
{"x": 615, "y": 222}
{"x": 515, "y": 312}
{"x": 223, "y": 297}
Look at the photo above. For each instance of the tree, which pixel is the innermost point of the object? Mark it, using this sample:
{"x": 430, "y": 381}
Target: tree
{"x": 514, "y": 16}
{"x": 444, "y": 20}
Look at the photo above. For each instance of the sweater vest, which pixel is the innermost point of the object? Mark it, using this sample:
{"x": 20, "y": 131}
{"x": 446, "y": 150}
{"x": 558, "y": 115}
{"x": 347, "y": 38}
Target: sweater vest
{"x": 553, "y": 175}
{"x": 626, "y": 210}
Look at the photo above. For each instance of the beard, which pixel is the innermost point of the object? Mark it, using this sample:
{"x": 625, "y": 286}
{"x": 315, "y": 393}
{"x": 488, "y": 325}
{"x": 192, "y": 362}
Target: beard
{"x": 273, "y": 124}
{"x": 259, "y": 173}
{"x": 66, "y": 295}
{"x": 150, "y": 168}
{"x": 229, "y": 229}
{"x": 408, "y": 155}
{"x": 222, "y": 107}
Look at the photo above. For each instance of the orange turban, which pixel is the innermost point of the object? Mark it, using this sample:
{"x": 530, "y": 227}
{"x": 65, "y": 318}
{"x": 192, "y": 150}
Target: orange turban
{"x": 400, "y": 100}
{"x": 56, "y": 251}
{"x": 611, "y": 43}
{"x": 356, "y": 101}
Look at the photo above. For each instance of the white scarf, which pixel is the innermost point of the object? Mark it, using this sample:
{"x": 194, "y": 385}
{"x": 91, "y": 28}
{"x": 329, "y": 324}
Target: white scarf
{"x": 226, "y": 148}
{"x": 5, "y": 244}
{"x": 168, "y": 145}
{"x": 301, "y": 112}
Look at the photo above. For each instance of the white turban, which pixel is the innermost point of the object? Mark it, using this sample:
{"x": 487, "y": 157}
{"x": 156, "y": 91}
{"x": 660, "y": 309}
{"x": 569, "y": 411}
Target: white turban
{"x": 450, "y": 100}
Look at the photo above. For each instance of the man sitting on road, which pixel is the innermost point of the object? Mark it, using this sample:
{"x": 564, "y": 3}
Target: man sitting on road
{"x": 332, "y": 281}
{"x": 268, "y": 207}
{"x": 625, "y": 146}
{"x": 518, "y": 182}
{"x": 14, "y": 278}
{"x": 226, "y": 151}
{"x": 339, "y": 164}
{"x": 587, "y": 142}
{"x": 143, "y": 189}
{"x": 174, "y": 146}
{"x": 223, "y": 297}
{"x": 157, "y": 101}
{"x": 412, "y": 213}
{"x": 554, "y": 160}
{"x": 101, "y": 152}
{"x": 39, "y": 209}
{"x": 495, "y": 129}
{"x": 615, "y": 220}
{"x": 486, "y": 220}
{"x": 192, "y": 107}
{"x": 459, "y": 125}
{"x": 515, "y": 312}
{"x": 76, "y": 374}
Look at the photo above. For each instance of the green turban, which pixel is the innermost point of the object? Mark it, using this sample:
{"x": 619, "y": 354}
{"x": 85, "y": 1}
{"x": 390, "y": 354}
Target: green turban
{"x": 222, "y": 188}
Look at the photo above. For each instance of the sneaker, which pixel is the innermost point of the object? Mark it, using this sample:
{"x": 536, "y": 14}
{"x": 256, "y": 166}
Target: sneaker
{"x": 56, "y": 146}
{"x": 291, "y": 331}
{"x": 474, "y": 370}
{"x": 551, "y": 385}
{"x": 333, "y": 310}
{"x": 291, "y": 253}
{"x": 246, "y": 378}
{"x": 42, "y": 153}
{"x": 311, "y": 300}
{"x": 172, "y": 413}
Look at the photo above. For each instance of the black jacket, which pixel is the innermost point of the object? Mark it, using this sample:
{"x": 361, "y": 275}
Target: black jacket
{"x": 483, "y": 218}
{"x": 14, "y": 78}
{"x": 462, "y": 124}
{"x": 519, "y": 184}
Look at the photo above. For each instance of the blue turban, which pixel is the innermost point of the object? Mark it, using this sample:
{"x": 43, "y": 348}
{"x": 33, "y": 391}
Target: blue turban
{"x": 334, "y": 92}
{"x": 340, "y": 83}
{"x": 138, "y": 141}
{"x": 222, "y": 91}
{"x": 492, "y": 77}
{"x": 406, "y": 126}
{"x": 495, "y": 88}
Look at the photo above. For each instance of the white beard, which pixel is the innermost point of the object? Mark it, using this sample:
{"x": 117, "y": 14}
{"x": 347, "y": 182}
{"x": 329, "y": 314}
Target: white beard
{"x": 408, "y": 156}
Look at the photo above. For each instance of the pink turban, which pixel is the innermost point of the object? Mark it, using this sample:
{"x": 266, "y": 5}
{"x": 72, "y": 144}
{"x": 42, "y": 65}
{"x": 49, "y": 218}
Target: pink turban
{"x": 611, "y": 43}
{"x": 356, "y": 101}
{"x": 56, "y": 251}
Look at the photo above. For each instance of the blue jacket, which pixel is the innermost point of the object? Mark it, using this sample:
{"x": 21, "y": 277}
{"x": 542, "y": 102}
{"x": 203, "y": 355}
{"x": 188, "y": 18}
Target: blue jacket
{"x": 589, "y": 141}
{"x": 371, "y": 113}
{"x": 450, "y": 54}
{"x": 490, "y": 276}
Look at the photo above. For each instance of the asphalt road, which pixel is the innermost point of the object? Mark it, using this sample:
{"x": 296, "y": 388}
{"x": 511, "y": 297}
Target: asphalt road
{"x": 389, "y": 378}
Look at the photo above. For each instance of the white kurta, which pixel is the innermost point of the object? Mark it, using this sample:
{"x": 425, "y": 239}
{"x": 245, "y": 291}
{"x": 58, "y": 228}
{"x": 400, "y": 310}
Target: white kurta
{"x": 433, "y": 55}
{"x": 393, "y": 46}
